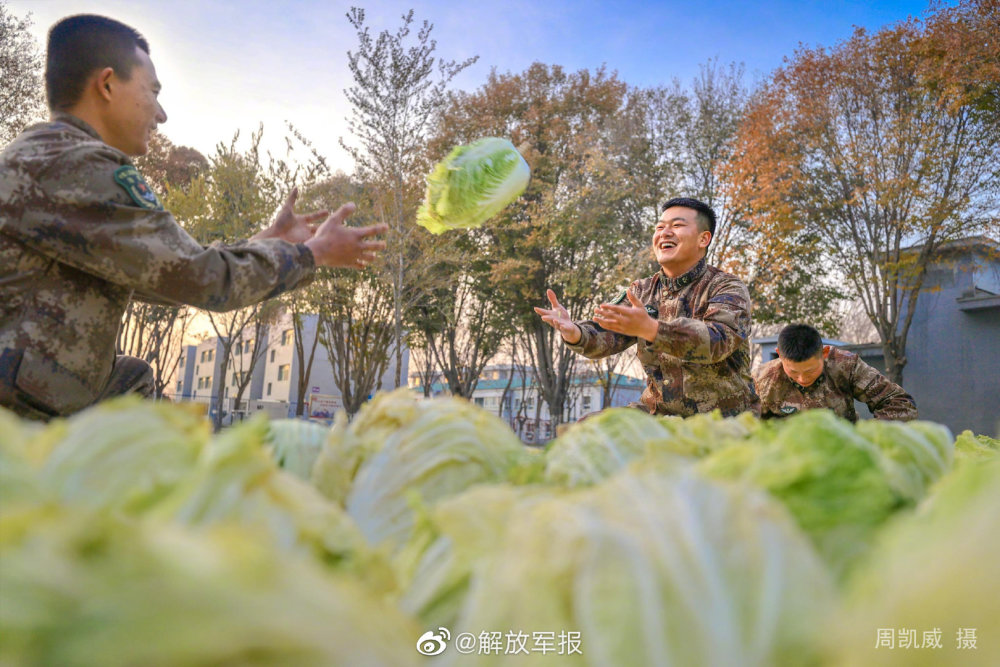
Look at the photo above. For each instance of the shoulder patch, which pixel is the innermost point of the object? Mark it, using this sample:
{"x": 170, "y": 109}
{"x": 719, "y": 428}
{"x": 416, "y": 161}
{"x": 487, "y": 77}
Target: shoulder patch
{"x": 143, "y": 195}
{"x": 621, "y": 297}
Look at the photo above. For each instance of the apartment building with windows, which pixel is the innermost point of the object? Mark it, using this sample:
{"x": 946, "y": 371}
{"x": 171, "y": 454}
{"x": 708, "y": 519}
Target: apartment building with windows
{"x": 273, "y": 365}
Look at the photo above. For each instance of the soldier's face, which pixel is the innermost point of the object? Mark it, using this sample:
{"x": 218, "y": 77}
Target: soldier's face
{"x": 678, "y": 243}
{"x": 135, "y": 110}
{"x": 803, "y": 373}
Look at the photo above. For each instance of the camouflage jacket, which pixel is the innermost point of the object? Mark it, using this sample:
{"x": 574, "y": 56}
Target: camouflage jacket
{"x": 844, "y": 378}
{"x": 700, "y": 359}
{"x": 80, "y": 234}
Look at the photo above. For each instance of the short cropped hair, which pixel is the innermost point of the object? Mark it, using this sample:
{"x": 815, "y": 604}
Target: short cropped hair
{"x": 82, "y": 44}
{"x": 705, "y": 217}
{"x": 798, "y": 342}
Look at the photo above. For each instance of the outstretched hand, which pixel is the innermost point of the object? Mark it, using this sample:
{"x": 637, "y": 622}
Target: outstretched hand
{"x": 291, "y": 226}
{"x": 335, "y": 244}
{"x": 558, "y": 318}
{"x": 631, "y": 320}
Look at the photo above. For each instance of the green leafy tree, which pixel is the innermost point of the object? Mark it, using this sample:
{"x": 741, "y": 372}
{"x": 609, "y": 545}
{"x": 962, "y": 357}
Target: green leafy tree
{"x": 580, "y": 222}
{"x": 21, "y": 92}
{"x": 398, "y": 87}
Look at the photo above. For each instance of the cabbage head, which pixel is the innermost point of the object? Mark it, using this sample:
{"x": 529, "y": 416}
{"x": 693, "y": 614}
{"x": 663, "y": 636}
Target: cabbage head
{"x": 123, "y": 454}
{"x": 599, "y": 446}
{"x": 913, "y": 455}
{"x": 80, "y": 589}
{"x": 969, "y": 446}
{"x": 473, "y": 184}
{"x": 431, "y": 449}
{"x": 827, "y": 475}
{"x": 296, "y": 444}
{"x": 654, "y": 568}
{"x": 934, "y": 573}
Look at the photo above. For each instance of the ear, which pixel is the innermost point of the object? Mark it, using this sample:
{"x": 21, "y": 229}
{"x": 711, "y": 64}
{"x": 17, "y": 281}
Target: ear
{"x": 826, "y": 351}
{"x": 704, "y": 239}
{"x": 103, "y": 81}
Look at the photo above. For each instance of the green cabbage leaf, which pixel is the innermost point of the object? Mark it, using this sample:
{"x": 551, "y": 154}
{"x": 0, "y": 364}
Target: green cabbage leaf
{"x": 472, "y": 185}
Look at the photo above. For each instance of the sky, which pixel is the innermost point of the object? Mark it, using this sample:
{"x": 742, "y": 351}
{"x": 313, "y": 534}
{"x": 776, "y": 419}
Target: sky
{"x": 228, "y": 66}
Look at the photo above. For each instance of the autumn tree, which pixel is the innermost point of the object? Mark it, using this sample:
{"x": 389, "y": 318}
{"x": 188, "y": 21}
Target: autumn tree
{"x": 166, "y": 166}
{"x": 861, "y": 147}
{"x": 579, "y": 222}
{"x": 21, "y": 92}
{"x": 459, "y": 322}
{"x": 692, "y": 128}
{"x": 354, "y": 308}
{"x": 399, "y": 84}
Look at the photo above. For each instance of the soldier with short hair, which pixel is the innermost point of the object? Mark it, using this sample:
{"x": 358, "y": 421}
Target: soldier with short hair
{"x": 81, "y": 233}
{"x": 690, "y": 323}
{"x": 809, "y": 375}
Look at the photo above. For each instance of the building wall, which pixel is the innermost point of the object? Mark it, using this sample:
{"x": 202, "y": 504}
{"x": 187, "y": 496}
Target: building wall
{"x": 953, "y": 347}
{"x": 274, "y": 386}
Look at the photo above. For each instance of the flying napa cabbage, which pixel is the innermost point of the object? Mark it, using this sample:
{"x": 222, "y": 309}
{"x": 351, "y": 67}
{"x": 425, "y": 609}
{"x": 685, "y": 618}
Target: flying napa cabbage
{"x": 473, "y": 184}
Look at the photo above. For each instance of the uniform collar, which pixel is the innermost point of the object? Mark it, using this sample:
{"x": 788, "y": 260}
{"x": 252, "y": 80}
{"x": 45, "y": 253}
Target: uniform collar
{"x": 680, "y": 282}
{"x": 815, "y": 384}
{"x": 79, "y": 123}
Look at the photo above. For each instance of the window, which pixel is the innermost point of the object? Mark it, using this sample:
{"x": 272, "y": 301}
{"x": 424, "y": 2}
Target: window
{"x": 197, "y": 369}
{"x": 478, "y": 401}
{"x": 284, "y": 372}
{"x": 286, "y": 336}
{"x": 227, "y": 392}
{"x": 238, "y": 348}
{"x": 272, "y": 356}
{"x": 247, "y": 345}
{"x": 585, "y": 403}
{"x": 268, "y": 388}
{"x": 182, "y": 362}
{"x": 234, "y": 378}
{"x": 529, "y": 403}
{"x": 178, "y": 386}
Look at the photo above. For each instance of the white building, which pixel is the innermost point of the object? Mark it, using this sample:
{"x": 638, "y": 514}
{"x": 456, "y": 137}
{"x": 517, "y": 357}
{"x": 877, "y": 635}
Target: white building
{"x": 511, "y": 392}
{"x": 274, "y": 385}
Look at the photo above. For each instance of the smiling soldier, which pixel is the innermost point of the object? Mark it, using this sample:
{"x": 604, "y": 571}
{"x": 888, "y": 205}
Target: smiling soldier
{"x": 809, "y": 375}
{"x": 690, "y": 323}
{"x": 81, "y": 233}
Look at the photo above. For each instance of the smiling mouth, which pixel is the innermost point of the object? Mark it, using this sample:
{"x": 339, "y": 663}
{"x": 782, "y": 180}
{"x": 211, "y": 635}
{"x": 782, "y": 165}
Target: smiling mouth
{"x": 667, "y": 245}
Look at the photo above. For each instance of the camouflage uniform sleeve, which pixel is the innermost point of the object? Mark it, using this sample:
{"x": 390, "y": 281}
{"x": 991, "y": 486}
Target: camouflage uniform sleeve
{"x": 885, "y": 398}
{"x": 763, "y": 381}
{"x": 75, "y": 213}
{"x": 596, "y": 342}
{"x": 711, "y": 339}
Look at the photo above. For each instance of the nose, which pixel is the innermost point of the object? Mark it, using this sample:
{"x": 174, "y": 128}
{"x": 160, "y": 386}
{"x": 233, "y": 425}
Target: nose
{"x": 161, "y": 115}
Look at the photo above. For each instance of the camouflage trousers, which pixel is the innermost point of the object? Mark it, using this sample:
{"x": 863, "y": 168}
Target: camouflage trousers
{"x": 129, "y": 375}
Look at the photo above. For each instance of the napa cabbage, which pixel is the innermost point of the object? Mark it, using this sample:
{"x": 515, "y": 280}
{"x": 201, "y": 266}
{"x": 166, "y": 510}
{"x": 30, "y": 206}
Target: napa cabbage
{"x": 473, "y": 184}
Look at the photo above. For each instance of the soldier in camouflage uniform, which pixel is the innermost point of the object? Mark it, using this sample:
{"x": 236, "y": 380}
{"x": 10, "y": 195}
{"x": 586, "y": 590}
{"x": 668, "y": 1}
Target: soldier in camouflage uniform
{"x": 808, "y": 375}
{"x": 81, "y": 233}
{"x": 690, "y": 323}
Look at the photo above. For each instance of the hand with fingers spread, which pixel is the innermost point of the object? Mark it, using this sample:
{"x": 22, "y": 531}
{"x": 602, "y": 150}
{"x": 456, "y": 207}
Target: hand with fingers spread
{"x": 335, "y": 244}
{"x": 291, "y": 226}
{"x": 631, "y": 320}
{"x": 558, "y": 318}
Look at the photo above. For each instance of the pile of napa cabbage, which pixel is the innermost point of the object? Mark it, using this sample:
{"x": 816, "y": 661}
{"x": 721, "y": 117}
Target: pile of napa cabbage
{"x": 131, "y": 534}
